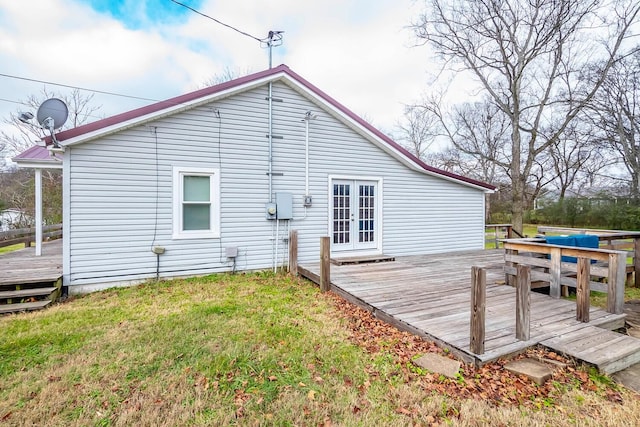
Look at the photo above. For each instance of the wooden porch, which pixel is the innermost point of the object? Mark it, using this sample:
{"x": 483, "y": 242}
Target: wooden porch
{"x": 30, "y": 282}
{"x": 430, "y": 296}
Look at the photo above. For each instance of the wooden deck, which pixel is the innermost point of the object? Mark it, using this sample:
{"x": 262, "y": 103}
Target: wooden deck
{"x": 430, "y": 297}
{"x": 23, "y": 266}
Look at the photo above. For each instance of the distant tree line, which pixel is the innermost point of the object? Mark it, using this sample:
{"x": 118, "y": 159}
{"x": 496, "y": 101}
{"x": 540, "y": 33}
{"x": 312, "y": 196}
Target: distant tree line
{"x": 17, "y": 192}
{"x": 605, "y": 212}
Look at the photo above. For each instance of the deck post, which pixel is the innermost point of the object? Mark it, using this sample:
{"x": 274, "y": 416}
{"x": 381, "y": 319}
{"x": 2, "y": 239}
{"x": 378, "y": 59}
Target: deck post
{"x": 325, "y": 269}
{"x": 554, "y": 271}
{"x": 495, "y": 236}
{"x": 508, "y": 278}
{"x": 478, "y": 306}
{"x": 582, "y": 290}
{"x": 616, "y": 283}
{"x": 293, "y": 253}
{"x": 523, "y": 302}
{"x": 636, "y": 262}
{"x": 509, "y": 231}
{"x": 38, "y": 208}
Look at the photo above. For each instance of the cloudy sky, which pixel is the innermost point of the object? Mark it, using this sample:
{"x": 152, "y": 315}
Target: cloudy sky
{"x": 358, "y": 51}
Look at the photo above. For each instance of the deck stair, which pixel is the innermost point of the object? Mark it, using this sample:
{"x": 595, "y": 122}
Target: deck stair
{"x": 362, "y": 259}
{"x": 26, "y": 295}
{"x": 29, "y": 282}
{"x": 609, "y": 351}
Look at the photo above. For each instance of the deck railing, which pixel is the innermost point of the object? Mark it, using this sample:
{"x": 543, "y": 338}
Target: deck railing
{"x": 600, "y": 270}
{"x": 627, "y": 241}
{"x": 527, "y": 262}
{"x": 28, "y": 235}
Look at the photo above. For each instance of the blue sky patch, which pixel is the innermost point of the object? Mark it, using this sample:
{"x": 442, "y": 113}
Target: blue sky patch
{"x": 137, "y": 14}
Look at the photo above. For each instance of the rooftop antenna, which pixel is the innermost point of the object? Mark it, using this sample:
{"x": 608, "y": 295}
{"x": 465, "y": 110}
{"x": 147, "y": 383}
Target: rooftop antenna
{"x": 273, "y": 39}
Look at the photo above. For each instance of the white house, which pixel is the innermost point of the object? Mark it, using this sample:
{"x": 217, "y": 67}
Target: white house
{"x": 15, "y": 218}
{"x": 213, "y": 181}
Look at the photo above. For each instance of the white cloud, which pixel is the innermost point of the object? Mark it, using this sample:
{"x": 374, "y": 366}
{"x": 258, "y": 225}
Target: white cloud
{"x": 357, "y": 51}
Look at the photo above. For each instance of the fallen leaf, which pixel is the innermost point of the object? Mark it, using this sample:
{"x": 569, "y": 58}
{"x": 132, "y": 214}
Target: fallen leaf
{"x": 403, "y": 411}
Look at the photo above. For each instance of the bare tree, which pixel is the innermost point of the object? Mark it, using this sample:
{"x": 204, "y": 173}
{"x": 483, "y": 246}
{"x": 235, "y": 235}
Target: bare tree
{"x": 478, "y": 134}
{"x": 17, "y": 186}
{"x": 25, "y": 135}
{"x": 417, "y": 130}
{"x": 529, "y": 57}
{"x": 615, "y": 112}
{"x": 575, "y": 159}
{"x": 226, "y": 75}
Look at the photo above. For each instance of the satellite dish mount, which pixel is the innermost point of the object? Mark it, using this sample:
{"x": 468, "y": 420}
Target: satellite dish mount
{"x": 51, "y": 115}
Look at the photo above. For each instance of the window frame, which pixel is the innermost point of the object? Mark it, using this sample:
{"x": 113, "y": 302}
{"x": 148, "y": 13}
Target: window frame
{"x": 179, "y": 172}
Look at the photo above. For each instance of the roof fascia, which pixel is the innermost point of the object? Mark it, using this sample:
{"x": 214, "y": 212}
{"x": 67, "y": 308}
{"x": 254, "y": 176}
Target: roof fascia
{"x": 170, "y": 110}
{"x": 38, "y": 164}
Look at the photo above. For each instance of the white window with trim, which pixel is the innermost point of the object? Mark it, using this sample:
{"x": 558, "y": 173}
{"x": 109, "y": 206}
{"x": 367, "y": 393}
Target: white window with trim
{"x": 196, "y": 203}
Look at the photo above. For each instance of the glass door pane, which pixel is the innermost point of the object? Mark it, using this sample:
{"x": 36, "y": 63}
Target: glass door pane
{"x": 366, "y": 213}
{"x": 341, "y": 213}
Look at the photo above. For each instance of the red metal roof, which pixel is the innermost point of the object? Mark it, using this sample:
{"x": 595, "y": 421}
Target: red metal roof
{"x": 36, "y": 152}
{"x": 39, "y": 154}
{"x": 192, "y": 96}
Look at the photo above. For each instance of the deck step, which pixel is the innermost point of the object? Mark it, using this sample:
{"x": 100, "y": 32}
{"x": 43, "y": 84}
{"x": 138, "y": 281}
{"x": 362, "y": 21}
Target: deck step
{"x": 362, "y": 259}
{"x": 24, "y": 293}
{"x": 27, "y": 306}
{"x": 609, "y": 351}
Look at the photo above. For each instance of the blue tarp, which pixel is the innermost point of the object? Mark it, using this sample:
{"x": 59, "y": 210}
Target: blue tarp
{"x": 575, "y": 240}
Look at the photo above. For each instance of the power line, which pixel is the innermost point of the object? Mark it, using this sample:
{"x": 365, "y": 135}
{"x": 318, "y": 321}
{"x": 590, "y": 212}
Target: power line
{"x": 13, "y": 102}
{"x": 219, "y": 22}
{"x": 77, "y": 87}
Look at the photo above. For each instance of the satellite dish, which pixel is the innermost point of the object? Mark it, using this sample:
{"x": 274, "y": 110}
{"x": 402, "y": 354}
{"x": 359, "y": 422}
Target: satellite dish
{"x": 52, "y": 110}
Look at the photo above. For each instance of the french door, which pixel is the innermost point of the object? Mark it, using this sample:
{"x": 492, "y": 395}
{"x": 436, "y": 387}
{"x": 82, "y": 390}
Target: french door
{"x": 355, "y": 215}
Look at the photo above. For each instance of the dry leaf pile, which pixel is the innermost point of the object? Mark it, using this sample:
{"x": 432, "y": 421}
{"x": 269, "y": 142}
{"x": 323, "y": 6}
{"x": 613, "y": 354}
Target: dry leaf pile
{"x": 489, "y": 383}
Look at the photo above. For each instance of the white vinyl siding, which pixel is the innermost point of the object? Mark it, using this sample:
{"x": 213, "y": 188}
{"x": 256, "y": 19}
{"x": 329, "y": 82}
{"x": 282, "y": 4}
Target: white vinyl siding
{"x": 121, "y": 191}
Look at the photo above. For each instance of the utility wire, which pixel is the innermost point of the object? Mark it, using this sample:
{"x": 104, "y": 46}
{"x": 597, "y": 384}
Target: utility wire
{"x": 79, "y": 88}
{"x": 13, "y": 102}
{"x": 219, "y": 22}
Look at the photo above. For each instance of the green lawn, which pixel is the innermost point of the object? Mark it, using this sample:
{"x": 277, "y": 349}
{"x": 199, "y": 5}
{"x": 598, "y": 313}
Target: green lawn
{"x": 528, "y": 230}
{"x": 256, "y": 349}
{"x": 11, "y": 248}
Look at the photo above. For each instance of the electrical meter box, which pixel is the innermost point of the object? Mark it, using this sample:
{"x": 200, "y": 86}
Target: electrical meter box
{"x": 270, "y": 210}
{"x": 284, "y": 203}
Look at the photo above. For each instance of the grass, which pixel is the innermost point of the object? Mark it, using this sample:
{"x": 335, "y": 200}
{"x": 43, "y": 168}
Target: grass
{"x": 599, "y": 299}
{"x": 11, "y": 248}
{"x": 528, "y": 230}
{"x": 252, "y": 349}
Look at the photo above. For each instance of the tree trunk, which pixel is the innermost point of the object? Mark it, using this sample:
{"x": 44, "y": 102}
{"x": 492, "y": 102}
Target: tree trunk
{"x": 517, "y": 179}
{"x": 517, "y": 209}
{"x": 487, "y": 208}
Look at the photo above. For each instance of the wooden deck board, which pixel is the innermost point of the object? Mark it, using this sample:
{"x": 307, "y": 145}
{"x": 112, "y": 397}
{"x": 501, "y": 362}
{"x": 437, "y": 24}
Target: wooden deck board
{"x": 22, "y": 266}
{"x": 430, "y": 296}
{"x": 27, "y": 306}
{"x": 27, "y": 292}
